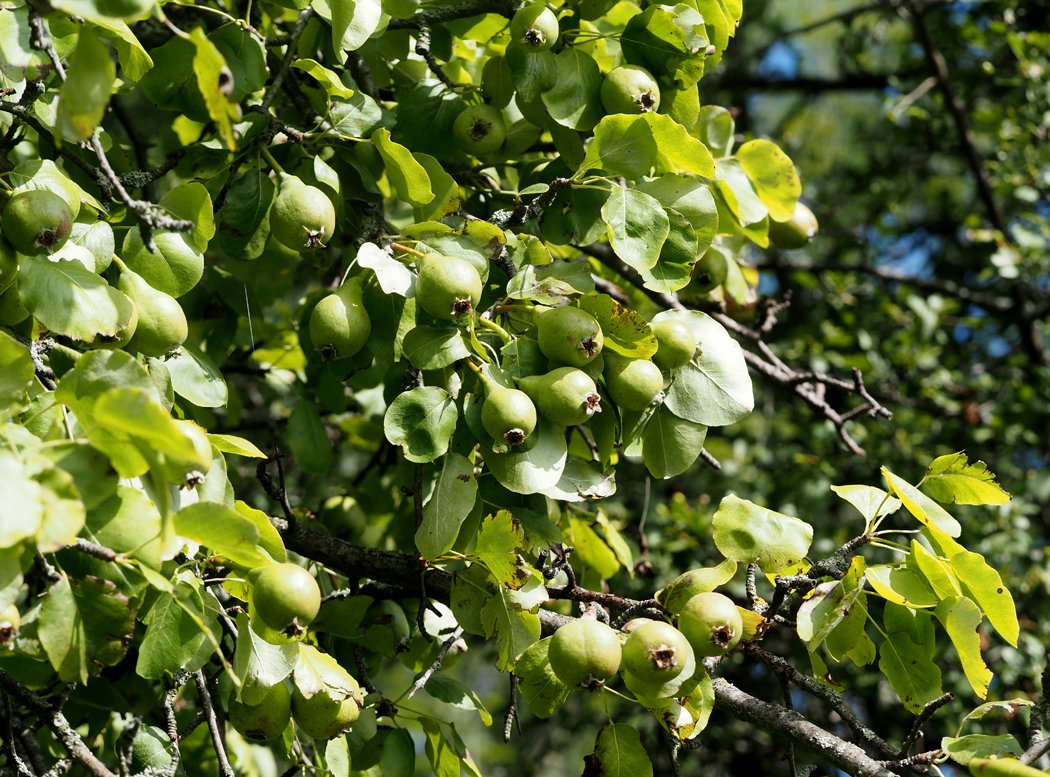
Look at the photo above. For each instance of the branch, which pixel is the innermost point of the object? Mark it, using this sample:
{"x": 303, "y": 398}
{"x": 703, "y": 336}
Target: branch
{"x": 811, "y": 386}
{"x": 779, "y": 721}
{"x": 214, "y": 726}
{"x": 421, "y": 681}
{"x": 423, "y": 50}
{"x": 286, "y": 62}
{"x": 454, "y": 10}
{"x": 56, "y": 721}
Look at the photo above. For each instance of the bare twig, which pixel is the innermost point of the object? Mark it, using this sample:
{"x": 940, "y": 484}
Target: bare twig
{"x": 421, "y": 681}
{"x": 920, "y": 721}
{"x": 54, "y": 719}
{"x": 214, "y": 725}
{"x": 286, "y": 61}
{"x": 423, "y": 50}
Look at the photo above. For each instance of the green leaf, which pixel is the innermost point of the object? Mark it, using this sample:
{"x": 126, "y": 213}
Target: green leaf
{"x": 513, "y": 628}
{"x": 901, "y": 585}
{"x": 539, "y": 686}
{"x": 499, "y": 539}
{"x": 715, "y": 389}
{"x": 671, "y": 444}
{"x": 245, "y": 56}
{"x": 826, "y": 607}
{"x": 637, "y": 226}
{"x": 533, "y": 72}
{"x": 16, "y": 375}
{"x": 668, "y": 41}
{"x": 965, "y": 748}
{"x": 319, "y": 673}
{"x": 192, "y": 202}
{"x": 434, "y": 347}
{"x": 182, "y": 630}
{"x": 208, "y": 69}
{"x": 871, "y": 502}
{"x": 453, "y": 692}
{"x": 22, "y": 496}
{"x": 960, "y": 618}
{"x": 625, "y": 331}
{"x": 849, "y": 638}
{"x": 982, "y": 583}
{"x": 328, "y": 79}
{"x": 618, "y": 752}
{"x": 104, "y": 9}
{"x": 258, "y": 664}
{"x": 535, "y": 470}
{"x": 716, "y": 128}
{"x": 937, "y": 571}
{"x": 134, "y": 60}
{"x": 136, "y": 412}
{"x": 953, "y": 479}
{"x": 355, "y": 118}
{"x": 773, "y": 175}
{"x": 447, "y": 196}
{"x": 574, "y": 100}
{"x": 591, "y": 549}
{"x": 451, "y": 502}
{"x": 223, "y": 531}
{"x": 398, "y": 758}
{"x": 739, "y": 195}
{"x": 441, "y": 754}
{"x": 309, "y": 439}
{"x": 910, "y": 671}
{"x": 243, "y": 226}
{"x": 70, "y": 300}
{"x": 678, "y": 151}
{"x": 238, "y": 446}
{"x": 421, "y": 421}
{"x": 128, "y": 522}
{"x": 622, "y": 146}
{"x": 746, "y": 532}
{"x": 353, "y": 23}
{"x": 84, "y": 95}
{"x": 407, "y": 176}
{"x": 1003, "y": 767}
{"x": 924, "y": 509}
{"x": 83, "y": 626}
{"x": 195, "y": 377}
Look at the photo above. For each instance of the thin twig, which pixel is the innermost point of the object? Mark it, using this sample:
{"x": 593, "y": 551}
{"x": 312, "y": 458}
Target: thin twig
{"x": 924, "y": 715}
{"x": 214, "y": 725}
{"x": 429, "y": 672}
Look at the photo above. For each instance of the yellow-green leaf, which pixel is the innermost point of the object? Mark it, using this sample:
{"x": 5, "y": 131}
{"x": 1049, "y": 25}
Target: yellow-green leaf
{"x": 960, "y": 618}
{"x": 89, "y": 82}
{"x": 924, "y": 509}
{"x": 953, "y": 479}
{"x": 407, "y": 176}
{"x": 773, "y": 175}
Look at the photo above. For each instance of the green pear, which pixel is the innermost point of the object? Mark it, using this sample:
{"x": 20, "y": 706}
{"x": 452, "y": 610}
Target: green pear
{"x": 8, "y": 265}
{"x": 508, "y": 414}
{"x": 676, "y": 343}
{"x": 161, "y": 324}
{"x": 339, "y": 324}
{"x": 302, "y": 216}
{"x": 567, "y": 396}
{"x": 569, "y": 335}
{"x": 448, "y": 288}
{"x": 796, "y": 231}
{"x": 632, "y": 383}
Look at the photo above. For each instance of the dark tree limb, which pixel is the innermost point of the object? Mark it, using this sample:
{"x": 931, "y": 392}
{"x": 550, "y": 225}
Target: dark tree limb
{"x": 214, "y": 726}
{"x": 786, "y": 723}
{"x": 447, "y": 12}
{"x": 54, "y": 719}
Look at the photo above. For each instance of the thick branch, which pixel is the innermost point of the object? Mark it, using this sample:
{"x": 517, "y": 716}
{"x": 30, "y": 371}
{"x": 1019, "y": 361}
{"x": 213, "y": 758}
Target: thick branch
{"x": 56, "y": 721}
{"x": 791, "y": 725}
{"x": 454, "y": 10}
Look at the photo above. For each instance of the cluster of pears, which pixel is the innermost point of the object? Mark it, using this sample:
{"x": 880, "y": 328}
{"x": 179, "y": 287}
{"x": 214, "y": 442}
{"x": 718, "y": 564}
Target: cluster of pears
{"x": 567, "y": 395}
{"x": 284, "y": 600}
{"x": 51, "y": 222}
{"x": 655, "y": 658}
{"x": 480, "y": 129}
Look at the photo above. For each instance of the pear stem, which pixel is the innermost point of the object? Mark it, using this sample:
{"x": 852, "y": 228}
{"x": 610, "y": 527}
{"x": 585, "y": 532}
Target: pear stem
{"x": 269, "y": 158}
{"x": 504, "y": 335}
{"x": 405, "y": 249}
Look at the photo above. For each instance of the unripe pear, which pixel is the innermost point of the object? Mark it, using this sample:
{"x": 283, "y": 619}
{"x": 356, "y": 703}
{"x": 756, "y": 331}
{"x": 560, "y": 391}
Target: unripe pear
{"x": 535, "y": 27}
{"x": 796, "y": 231}
{"x": 583, "y": 651}
{"x": 323, "y": 716}
{"x": 339, "y": 324}
{"x": 630, "y": 89}
{"x": 709, "y": 272}
{"x": 448, "y": 288}
{"x": 37, "y": 221}
{"x": 508, "y": 414}
{"x": 161, "y": 323}
{"x": 632, "y": 383}
{"x": 302, "y": 216}
{"x": 479, "y": 129}
{"x": 569, "y": 335}
{"x": 566, "y": 396}
{"x": 676, "y": 343}
{"x": 656, "y": 652}
{"x": 285, "y": 597}
{"x": 711, "y": 623}
{"x": 266, "y": 720}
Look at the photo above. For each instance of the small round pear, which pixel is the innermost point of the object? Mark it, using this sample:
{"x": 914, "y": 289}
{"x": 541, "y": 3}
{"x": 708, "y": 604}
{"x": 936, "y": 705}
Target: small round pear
{"x": 339, "y": 324}
{"x": 448, "y": 288}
